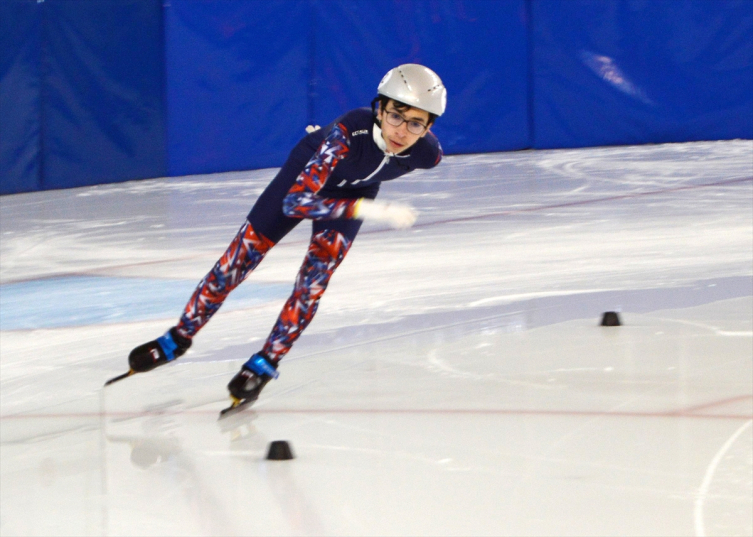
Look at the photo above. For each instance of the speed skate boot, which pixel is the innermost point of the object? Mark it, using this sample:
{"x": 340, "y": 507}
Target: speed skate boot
{"x": 160, "y": 351}
{"x": 246, "y": 386}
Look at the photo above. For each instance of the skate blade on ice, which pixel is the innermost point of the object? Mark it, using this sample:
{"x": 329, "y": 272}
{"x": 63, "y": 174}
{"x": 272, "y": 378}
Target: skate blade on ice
{"x": 236, "y": 406}
{"x": 120, "y": 377}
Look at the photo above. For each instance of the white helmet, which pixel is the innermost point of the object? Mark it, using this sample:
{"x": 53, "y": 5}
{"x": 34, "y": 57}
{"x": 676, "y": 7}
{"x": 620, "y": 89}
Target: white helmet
{"x": 416, "y": 86}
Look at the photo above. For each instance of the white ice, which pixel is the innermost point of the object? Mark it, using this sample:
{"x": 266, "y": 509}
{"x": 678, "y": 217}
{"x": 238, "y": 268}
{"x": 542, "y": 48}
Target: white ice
{"x": 455, "y": 381}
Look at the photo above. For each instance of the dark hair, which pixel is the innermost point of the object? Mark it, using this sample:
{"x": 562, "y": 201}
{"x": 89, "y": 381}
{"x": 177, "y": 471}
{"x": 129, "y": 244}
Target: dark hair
{"x": 399, "y": 106}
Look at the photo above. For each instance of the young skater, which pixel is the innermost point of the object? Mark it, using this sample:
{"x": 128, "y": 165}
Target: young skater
{"x": 331, "y": 177}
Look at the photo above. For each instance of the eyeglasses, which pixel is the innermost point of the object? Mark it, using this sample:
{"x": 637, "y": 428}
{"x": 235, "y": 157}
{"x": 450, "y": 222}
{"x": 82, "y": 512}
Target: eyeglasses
{"x": 395, "y": 119}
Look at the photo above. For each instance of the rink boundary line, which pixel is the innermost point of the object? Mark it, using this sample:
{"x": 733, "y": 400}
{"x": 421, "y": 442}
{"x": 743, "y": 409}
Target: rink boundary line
{"x": 104, "y": 270}
{"x": 708, "y": 478}
{"x": 687, "y": 412}
{"x": 395, "y": 411}
{"x": 721, "y": 402}
{"x": 459, "y": 412}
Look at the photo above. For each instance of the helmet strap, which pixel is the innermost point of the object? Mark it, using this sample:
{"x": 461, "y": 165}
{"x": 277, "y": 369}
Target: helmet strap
{"x": 374, "y": 112}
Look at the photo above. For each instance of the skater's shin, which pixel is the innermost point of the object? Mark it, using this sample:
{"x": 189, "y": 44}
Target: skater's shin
{"x": 243, "y": 255}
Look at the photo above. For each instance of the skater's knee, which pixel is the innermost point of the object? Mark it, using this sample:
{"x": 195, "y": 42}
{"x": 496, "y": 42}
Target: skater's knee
{"x": 259, "y": 242}
{"x": 329, "y": 246}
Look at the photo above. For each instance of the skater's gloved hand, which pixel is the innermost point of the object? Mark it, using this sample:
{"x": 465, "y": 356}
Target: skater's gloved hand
{"x": 397, "y": 215}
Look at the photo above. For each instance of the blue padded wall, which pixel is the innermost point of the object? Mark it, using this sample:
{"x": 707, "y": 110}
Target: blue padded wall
{"x": 104, "y": 117}
{"x": 97, "y": 91}
{"x": 636, "y": 71}
{"x": 237, "y": 82}
{"x": 81, "y": 93}
{"x": 478, "y": 48}
{"x": 20, "y": 96}
{"x": 259, "y": 72}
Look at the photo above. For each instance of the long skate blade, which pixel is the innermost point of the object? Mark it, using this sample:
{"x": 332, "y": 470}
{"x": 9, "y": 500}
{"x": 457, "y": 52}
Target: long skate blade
{"x": 120, "y": 377}
{"x": 235, "y": 407}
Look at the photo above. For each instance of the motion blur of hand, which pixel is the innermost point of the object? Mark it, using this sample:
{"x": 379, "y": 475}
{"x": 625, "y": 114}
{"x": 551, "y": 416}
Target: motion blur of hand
{"x": 395, "y": 214}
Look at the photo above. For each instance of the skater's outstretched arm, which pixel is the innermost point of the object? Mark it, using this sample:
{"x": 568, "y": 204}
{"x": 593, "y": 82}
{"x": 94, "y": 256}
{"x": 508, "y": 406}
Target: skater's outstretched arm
{"x": 302, "y": 201}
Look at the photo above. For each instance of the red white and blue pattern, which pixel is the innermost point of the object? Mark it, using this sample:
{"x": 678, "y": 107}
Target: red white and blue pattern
{"x": 325, "y": 253}
{"x": 242, "y": 256}
{"x": 302, "y": 200}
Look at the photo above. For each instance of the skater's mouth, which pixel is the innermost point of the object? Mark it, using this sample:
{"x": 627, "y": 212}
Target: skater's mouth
{"x": 398, "y": 145}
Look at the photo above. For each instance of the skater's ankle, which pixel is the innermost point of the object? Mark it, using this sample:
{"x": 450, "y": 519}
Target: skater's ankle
{"x": 271, "y": 356}
{"x": 181, "y": 339}
{"x": 260, "y": 364}
{"x": 181, "y": 333}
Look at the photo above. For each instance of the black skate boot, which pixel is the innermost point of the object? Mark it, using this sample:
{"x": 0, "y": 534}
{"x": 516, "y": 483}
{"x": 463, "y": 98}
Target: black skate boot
{"x": 160, "y": 351}
{"x": 246, "y": 386}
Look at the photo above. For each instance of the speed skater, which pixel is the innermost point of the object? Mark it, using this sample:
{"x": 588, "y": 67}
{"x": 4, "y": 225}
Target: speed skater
{"x": 331, "y": 177}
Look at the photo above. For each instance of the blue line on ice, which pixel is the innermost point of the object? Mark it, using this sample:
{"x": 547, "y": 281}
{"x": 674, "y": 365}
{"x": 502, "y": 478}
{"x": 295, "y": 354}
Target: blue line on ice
{"x": 84, "y": 300}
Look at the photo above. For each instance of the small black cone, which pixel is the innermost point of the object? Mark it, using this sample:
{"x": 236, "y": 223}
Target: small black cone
{"x": 610, "y": 318}
{"x": 279, "y": 450}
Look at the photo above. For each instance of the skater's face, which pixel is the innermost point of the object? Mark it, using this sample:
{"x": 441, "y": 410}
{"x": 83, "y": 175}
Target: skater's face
{"x": 402, "y": 128}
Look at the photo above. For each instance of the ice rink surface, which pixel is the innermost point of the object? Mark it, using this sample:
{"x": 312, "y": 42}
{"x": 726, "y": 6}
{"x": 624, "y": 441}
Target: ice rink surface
{"x": 455, "y": 381}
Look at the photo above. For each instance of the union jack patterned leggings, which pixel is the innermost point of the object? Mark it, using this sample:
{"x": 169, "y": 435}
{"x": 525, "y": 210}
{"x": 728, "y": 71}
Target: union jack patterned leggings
{"x": 325, "y": 253}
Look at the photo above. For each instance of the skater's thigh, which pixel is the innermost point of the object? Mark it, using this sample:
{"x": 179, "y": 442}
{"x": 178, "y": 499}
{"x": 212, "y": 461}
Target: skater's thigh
{"x": 273, "y": 226}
